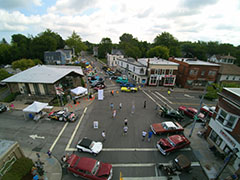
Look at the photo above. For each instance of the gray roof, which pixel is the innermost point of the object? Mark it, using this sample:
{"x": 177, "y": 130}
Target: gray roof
{"x": 235, "y": 91}
{"x": 192, "y": 61}
{"x": 44, "y": 74}
{"x": 5, "y": 145}
{"x": 156, "y": 61}
{"x": 131, "y": 61}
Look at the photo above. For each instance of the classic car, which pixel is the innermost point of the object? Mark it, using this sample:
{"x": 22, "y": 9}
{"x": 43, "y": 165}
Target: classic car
{"x": 172, "y": 143}
{"x": 127, "y": 85}
{"x": 129, "y": 89}
{"x": 208, "y": 111}
{"x": 89, "y": 168}
{"x": 171, "y": 113}
{"x": 3, "y": 107}
{"x": 191, "y": 112}
{"x": 62, "y": 116}
{"x": 90, "y": 146}
{"x": 121, "y": 80}
{"x": 166, "y": 127}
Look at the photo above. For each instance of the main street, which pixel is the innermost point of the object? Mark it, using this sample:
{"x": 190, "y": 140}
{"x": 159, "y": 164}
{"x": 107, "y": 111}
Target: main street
{"x": 128, "y": 154}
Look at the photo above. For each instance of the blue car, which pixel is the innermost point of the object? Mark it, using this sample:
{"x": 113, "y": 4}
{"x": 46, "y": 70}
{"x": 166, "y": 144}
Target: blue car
{"x": 127, "y": 85}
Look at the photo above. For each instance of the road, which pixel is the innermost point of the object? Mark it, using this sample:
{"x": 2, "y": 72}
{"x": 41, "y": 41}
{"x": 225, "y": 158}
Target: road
{"x": 128, "y": 154}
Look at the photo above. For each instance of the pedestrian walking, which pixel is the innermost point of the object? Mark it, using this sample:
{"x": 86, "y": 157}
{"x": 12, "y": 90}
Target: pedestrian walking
{"x": 125, "y": 121}
{"x": 144, "y": 104}
{"x": 150, "y": 133}
{"x": 112, "y": 105}
{"x": 120, "y": 105}
{"x": 144, "y": 133}
{"x": 104, "y": 135}
{"x": 38, "y": 156}
{"x": 114, "y": 113}
{"x": 133, "y": 108}
{"x": 49, "y": 153}
{"x": 125, "y": 130}
{"x": 112, "y": 92}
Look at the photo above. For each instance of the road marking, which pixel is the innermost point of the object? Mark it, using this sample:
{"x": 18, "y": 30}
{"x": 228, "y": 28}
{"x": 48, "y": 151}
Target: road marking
{"x": 163, "y": 97}
{"x": 186, "y": 95}
{"x": 75, "y": 130}
{"x": 36, "y": 136}
{"x": 59, "y": 135}
{"x": 151, "y": 98}
{"x": 162, "y": 100}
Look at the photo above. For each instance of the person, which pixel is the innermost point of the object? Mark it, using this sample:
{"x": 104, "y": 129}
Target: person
{"x": 144, "y": 104}
{"x": 169, "y": 92}
{"x": 49, "y": 153}
{"x": 150, "y": 133}
{"x": 125, "y": 129}
{"x": 125, "y": 121}
{"x": 103, "y": 135}
{"x": 114, "y": 113}
{"x": 120, "y": 105}
{"x": 112, "y": 92}
{"x": 144, "y": 133}
{"x": 133, "y": 108}
{"x": 38, "y": 156}
{"x": 111, "y": 105}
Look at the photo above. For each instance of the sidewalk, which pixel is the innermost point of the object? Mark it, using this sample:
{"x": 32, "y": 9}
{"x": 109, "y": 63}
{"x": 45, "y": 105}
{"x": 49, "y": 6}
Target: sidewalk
{"x": 52, "y": 167}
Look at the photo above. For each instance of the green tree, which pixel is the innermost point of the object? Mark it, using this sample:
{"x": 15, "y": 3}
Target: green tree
{"x": 4, "y": 74}
{"x": 196, "y": 49}
{"x": 24, "y": 64}
{"x": 20, "y": 46}
{"x": 104, "y": 47}
{"x": 159, "y": 51}
{"x": 5, "y": 54}
{"x": 75, "y": 41}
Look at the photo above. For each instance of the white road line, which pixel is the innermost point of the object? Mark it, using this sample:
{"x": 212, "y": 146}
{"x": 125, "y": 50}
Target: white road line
{"x": 162, "y": 100}
{"x": 149, "y": 164}
{"x": 163, "y": 97}
{"x": 59, "y": 135}
{"x": 75, "y": 130}
{"x": 151, "y": 98}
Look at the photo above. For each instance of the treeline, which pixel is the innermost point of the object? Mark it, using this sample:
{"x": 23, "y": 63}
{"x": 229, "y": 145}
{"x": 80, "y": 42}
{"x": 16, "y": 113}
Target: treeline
{"x": 164, "y": 45}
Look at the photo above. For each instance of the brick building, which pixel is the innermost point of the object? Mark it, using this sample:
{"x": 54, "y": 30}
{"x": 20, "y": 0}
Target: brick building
{"x": 193, "y": 73}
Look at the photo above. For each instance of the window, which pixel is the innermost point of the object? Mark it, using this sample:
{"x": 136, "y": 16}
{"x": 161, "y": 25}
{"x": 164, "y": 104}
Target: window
{"x": 141, "y": 71}
{"x": 233, "y": 77}
{"x": 153, "y": 71}
{"x": 159, "y": 71}
{"x": 169, "y": 80}
{"x": 202, "y": 73}
{"x": 127, "y": 66}
{"x": 189, "y": 82}
{"x": 133, "y": 68}
{"x": 170, "y": 71}
{"x": 211, "y": 73}
{"x": 222, "y": 115}
{"x": 227, "y": 77}
{"x": 226, "y": 119}
{"x": 193, "y": 72}
{"x": 213, "y": 136}
{"x": 230, "y": 121}
{"x": 163, "y": 71}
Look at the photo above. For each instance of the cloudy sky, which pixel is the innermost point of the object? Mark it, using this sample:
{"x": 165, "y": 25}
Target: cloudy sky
{"x": 187, "y": 20}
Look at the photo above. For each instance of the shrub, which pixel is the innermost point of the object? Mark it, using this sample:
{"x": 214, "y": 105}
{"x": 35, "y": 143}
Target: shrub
{"x": 11, "y": 97}
{"x": 19, "y": 169}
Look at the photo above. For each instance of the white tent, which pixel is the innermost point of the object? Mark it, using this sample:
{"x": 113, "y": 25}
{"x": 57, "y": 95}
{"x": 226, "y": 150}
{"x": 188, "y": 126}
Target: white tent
{"x": 35, "y": 107}
{"x": 79, "y": 91}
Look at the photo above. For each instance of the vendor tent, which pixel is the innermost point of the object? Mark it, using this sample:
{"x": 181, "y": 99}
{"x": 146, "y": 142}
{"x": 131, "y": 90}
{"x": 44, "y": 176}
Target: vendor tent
{"x": 79, "y": 90}
{"x": 35, "y": 107}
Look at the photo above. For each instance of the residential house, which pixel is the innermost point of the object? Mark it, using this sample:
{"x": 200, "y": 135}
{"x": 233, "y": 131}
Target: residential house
{"x": 222, "y": 59}
{"x": 229, "y": 73}
{"x": 194, "y": 73}
{"x": 224, "y": 128}
{"x": 45, "y": 80}
{"x": 111, "y": 58}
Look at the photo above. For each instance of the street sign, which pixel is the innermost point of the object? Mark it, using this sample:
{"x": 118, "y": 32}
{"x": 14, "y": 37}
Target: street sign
{"x": 95, "y": 124}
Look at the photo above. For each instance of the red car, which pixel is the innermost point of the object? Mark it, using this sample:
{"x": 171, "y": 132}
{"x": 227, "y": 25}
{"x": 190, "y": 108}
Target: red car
{"x": 208, "y": 111}
{"x": 190, "y": 112}
{"x": 89, "y": 168}
{"x": 98, "y": 87}
{"x": 172, "y": 143}
{"x": 166, "y": 127}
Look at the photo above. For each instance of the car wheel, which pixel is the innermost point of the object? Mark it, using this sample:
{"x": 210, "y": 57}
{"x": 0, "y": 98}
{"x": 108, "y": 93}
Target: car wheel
{"x": 80, "y": 150}
{"x": 76, "y": 175}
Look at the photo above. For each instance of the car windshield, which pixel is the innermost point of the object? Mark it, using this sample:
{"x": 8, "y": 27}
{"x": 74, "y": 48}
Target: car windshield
{"x": 91, "y": 145}
{"x": 170, "y": 141}
{"x": 164, "y": 125}
{"x": 95, "y": 168}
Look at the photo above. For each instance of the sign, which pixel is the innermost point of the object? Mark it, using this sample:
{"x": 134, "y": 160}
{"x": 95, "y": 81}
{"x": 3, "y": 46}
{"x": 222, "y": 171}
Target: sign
{"x": 100, "y": 94}
{"x": 95, "y": 124}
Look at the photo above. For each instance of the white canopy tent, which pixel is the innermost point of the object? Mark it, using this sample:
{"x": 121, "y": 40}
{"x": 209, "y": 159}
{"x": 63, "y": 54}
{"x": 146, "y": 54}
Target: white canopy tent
{"x": 79, "y": 91}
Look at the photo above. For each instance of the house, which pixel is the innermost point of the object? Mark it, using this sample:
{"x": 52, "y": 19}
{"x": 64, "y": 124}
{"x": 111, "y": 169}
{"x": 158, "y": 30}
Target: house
{"x": 194, "y": 73}
{"x": 149, "y": 71}
{"x": 222, "y": 59}
{"x": 229, "y": 73}
{"x": 45, "y": 80}
{"x": 224, "y": 127}
{"x": 111, "y": 58}
{"x": 95, "y": 51}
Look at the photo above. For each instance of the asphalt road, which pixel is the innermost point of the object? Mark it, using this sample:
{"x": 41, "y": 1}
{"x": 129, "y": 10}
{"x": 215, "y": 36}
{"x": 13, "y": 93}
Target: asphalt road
{"x": 128, "y": 154}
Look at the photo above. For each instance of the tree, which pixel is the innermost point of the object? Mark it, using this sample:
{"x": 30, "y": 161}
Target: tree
{"x": 159, "y": 51}
{"x": 4, "y": 74}
{"x": 168, "y": 40}
{"x": 75, "y": 41}
{"x": 24, "y": 64}
{"x": 5, "y": 54}
{"x": 20, "y": 46}
{"x": 3, "y": 41}
{"x": 104, "y": 47}
{"x": 196, "y": 49}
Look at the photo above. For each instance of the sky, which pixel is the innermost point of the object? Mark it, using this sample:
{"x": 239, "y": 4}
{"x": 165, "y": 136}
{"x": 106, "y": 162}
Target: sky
{"x": 92, "y": 20}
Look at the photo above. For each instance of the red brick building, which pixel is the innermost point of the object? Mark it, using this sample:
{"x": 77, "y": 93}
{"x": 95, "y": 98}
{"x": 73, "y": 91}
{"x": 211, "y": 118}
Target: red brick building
{"x": 224, "y": 128}
{"x": 193, "y": 73}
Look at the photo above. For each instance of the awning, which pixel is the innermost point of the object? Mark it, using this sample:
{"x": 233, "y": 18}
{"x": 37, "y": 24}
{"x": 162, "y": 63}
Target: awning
{"x": 35, "y": 107}
{"x": 79, "y": 90}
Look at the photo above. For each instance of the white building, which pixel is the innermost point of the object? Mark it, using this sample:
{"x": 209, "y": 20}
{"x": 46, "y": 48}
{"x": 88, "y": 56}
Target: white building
{"x": 222, "y": 59}
{"x": 111, "y": 58}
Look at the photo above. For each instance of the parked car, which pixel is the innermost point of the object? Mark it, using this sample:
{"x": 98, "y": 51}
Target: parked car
{"x": 172, "y": 143}
{"x": 99, "y": 86}
{"x": 191, "y": 112}
{"x": 127, "y": 85}
{"x": 62, "y": 116}
{"x": 3, "y": 108}
{"x": 97, "y": 83}
{"x": 129, "y": 89}
{"x": 171, "y": 113}
{"x": 121, "y": 80}
{"x": 89, "y": 168}
{"x": 166, "y": 127}
{"x": 90, "y": 146}
{"x": 208, "y": 111}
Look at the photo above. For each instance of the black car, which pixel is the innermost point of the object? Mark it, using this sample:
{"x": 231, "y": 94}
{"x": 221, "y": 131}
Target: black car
{"x": 172, "y": 114}
{"x": 3, "y": 108}
{"x": 97, "y": 83}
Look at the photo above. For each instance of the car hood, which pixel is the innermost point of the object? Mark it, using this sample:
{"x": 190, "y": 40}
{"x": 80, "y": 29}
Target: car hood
{"x": 97, "y": 147}
{"x": 165, "y": 142}
{"x": 104, "y": 169}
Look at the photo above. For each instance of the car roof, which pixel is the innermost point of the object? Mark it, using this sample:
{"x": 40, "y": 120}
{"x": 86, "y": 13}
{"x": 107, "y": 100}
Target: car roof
{"x": 177, "y": 138}
{"x": 85, "y": 142}
{"x": 86, "y": 164}
{"x": 170, "y": 124}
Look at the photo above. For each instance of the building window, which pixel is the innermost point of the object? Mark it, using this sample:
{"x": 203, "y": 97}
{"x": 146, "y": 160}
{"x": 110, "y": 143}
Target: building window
{"x": 159, "y": 71}
{"x": 226, "y": 119}
{"x": 128, "y": 66}
{"x": 193, "y": 72}
{"x": 189, "y": 82}
{"x": 211, "y": 73}
{"x": 233, "y": 77}
{"x": 221, "y": 116}
{"x": 121, "y": 63}
{"x": 230, "y": 121}
{"x": 153, "y": 80}
{"x": 141, "y": 71}
{"x": 133, "y": 68}
{"x": 153, "y": 71}
{"x": 227, "y": 77}
{"x": 170, "y": 71}
{"x": 213, "y": 136}
{"x": 202, "y": 73}
{"x": 163, "y": 71}
{"x": 169, "y": 81}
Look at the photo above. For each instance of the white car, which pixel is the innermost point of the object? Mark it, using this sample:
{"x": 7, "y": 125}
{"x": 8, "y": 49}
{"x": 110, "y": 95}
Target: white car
{"x": 90, "y": 146}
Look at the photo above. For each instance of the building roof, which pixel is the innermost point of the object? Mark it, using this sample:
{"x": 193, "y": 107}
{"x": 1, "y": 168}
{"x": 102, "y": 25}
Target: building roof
{"x": 235, "y": 91}
{"x": 230, "y": 69}
{"x": 131, "y": 61}
{"x": 192, "y": 61}
{"x": 5, "y": 145}
{"x": 43, "y": 74}
{"x": 116, "y": 52}
{"x": 156, "y": 61}
{"x": 224, "y": 57}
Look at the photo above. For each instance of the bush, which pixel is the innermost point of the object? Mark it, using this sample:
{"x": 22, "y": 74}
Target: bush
{"x": 19, "y": 169}
{"x": 11, "y": 97}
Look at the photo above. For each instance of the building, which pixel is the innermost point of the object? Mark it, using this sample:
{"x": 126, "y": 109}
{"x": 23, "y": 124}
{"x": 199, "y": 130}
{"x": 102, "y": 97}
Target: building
{"x": 111, "y": 58}
{"x": 10, "y": 151}
{"x": 193, "y": 73}
{"x": 95, "y": 51}
{"x": 224, "y": 128}
{"x": 149, "y": 71}
{"x": 43, "y": 80}
{"x": 229, "y": 73}
{"x": 222, "y": 59}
